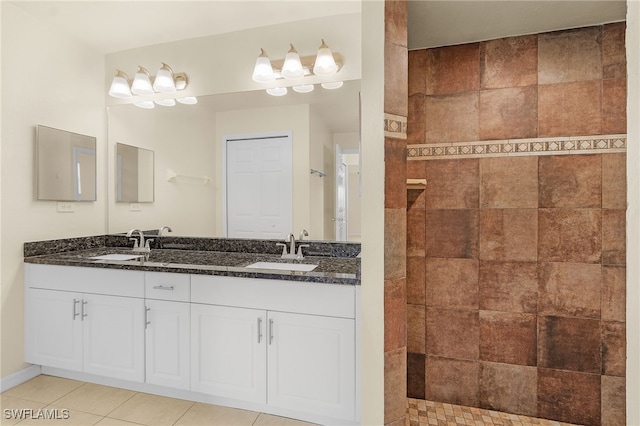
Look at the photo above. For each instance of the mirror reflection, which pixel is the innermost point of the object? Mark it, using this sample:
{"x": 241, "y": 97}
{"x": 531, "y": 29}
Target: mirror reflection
{"x": 134, "y": 174}
{"x": 65, "y": 165}
{"x": 189, "y": 140}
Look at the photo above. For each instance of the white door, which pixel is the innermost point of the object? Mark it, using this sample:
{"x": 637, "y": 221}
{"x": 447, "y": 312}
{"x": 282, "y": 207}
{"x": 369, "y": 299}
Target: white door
{"x": 228, "y": 352}
{"x": 312, "y": 364}
{"x": 53, "y": 329}
{"x": 259, "y": 187}
{"x": 341, "y": 196}
{"x": 168, "y": 343}
{"x": 113, "y": 336}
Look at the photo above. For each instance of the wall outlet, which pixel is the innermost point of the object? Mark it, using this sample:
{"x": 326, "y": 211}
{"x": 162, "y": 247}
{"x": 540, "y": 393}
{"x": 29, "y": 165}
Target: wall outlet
{"x": 134, "y": 207}
{"x": 65, "y": 207}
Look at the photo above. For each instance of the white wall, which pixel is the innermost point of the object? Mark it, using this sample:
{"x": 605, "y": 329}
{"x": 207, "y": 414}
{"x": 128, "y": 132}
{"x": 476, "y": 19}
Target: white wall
{"x": 50, "y": 79}
{"x": 183, "y": 139}
{"x": 633, "y": 212}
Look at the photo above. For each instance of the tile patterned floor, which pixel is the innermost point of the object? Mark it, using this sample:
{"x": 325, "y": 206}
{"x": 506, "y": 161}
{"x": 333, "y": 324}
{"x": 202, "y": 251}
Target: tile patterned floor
{"x": 90, "y": 404}
{"x": 428, "y": 413}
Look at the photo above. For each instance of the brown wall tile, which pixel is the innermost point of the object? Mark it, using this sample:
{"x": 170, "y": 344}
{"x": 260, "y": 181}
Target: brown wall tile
{"x": 508, "y": 286}
{"x": 570, "y": 55}
{"x": 570, "y": 180}
{"x": 452, "y": 233}
{"x": 614, "y": 106}
{"x": 452, "y": 118}
{"x": 570, "y": 289}
{"x": 416, "y": 280}
{"x": 570, "y": 109}
{"x": 452, "y": 283}
{"x": 614, "y": 59}
{"x": 416, "y": 329}
{"x": 416, "y": 232}
{"x": 508, "y": 338}
{"x": 509, "y": 113}
{"x": 509, "y": 234}
{"x": 395, "y": 314}
{"x": 416, "y": 169}
{"x": 395, "y": 78}
{"x": 566, "y": 235}
{"x": 510, "y": 388}
{"x": 395, "y": 243}
{"x": 453, "y": 69}
{"x": 613, "y": 401}
{"x": 569, "y": 344}
{"x": 614, "y": 348}
{"x": 509, "y": 62}
{"x": 416, "y": 364}
{"x": 395, "y": 384}
{"x": 395, "y": 172}
{"x": 452, "y": 380}
{"x": 569, "y": 396}
{"x": 395, "y": 23}
{"x": 416, "y": 119}
{"x": 614, "y": 237}
{"x": 452, "y": 184}
{"x": 509, "y": 182}
{"x": 614, "y": 181}
{"x": 453, "y": 333}
{"x": 614, "y": 289}
{"x": 417, "y": 71}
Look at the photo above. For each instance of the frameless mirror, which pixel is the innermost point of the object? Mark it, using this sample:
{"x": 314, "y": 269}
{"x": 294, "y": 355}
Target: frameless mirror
{"x": 65, "y": 165}
{"x": 134, "y": 174}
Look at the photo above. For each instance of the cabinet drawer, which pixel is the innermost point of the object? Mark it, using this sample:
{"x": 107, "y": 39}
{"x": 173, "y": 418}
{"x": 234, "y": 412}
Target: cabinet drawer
{"x": 167, "y": 286}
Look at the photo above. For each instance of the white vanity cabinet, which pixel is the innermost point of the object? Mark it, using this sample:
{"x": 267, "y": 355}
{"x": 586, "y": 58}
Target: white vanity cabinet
{"x": 288, "y": 344}
{"x": 168, "y": 317}
{"x": 85, "y": 319}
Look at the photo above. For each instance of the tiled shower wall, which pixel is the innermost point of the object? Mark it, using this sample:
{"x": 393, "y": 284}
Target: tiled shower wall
{"x": 516, "y": 264}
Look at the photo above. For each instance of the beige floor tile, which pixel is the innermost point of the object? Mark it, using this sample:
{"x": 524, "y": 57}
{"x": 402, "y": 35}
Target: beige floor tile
{"x": 214, "y": 415}
{"x": 46, "y": 389}
{"x": 107, "y": 421}
{"x": 95, "y": 399}
{"x": 269, "y": 420}
{"x": 56, "y": 415}
{"x": 17, "y": 409}
{"x": 151, "y": 410}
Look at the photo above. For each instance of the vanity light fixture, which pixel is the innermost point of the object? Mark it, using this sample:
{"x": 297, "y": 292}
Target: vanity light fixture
{"x": 142, "y": 82}
{"x": 164, "y": 80}
{"x": 324, "y": 64}
{"x": 120, "y": 86}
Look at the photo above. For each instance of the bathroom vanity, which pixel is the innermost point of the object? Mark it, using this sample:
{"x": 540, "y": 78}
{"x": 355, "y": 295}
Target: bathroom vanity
{"x": 200, "y": 325}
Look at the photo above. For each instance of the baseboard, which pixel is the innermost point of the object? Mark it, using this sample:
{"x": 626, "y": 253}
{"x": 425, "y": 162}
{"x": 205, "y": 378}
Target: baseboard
{"x": 19, "y": 377}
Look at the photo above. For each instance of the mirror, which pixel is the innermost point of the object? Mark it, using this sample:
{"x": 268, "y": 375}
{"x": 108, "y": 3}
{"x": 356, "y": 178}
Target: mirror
{"x": 187, "y": 140}
{"x": 134, "y": 174}
{"x": 65, "y": 165}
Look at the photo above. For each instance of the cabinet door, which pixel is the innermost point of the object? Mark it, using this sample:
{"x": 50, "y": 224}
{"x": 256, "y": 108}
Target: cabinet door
{"x": 228, "y": 352}
{"x": 311, "y": 364}
{"x": 167, "y": 343}
{"x": 53, "y": 329}
{"x": 113, "y": 336}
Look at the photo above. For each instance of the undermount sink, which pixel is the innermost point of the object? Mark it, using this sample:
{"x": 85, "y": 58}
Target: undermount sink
{"x": 283, "y": 266}
{"x": 117, "y": 257}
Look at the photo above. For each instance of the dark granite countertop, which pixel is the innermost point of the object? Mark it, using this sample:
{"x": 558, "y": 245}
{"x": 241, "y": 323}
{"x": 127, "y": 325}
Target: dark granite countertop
{"x": 330, "y": 270}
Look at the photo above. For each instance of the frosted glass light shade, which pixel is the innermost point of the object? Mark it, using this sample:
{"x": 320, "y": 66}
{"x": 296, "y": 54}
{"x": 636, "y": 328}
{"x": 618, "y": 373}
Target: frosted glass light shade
{"x": 325, "y": 63}
{"x": 332, "y": 85}
{"x": 303, "y": 88}
{"x": 188, "y": 100}
{"x": 120, "y": 86}
{"x": 263, "y": 71}
{"x": 292, "y": 67}
{"x": 141, "y": 82}
{"x": 164, "y": 80}
{"x": 166, "y": 102}
{"x": 145, "y": 104}
{"x": 277, "y": 91}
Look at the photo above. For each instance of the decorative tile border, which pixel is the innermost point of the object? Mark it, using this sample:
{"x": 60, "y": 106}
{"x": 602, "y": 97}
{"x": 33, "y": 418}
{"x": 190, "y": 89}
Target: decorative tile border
{"x": 520, "y": 147}
{"x": 395, "y": 126}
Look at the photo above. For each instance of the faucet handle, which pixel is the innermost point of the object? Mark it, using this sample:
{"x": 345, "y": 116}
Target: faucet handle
{"x": 284, "y": 248}
{"x": 148, "y": 241}
{"x": 135, "y": 242}
{"x": 300, "y": 255}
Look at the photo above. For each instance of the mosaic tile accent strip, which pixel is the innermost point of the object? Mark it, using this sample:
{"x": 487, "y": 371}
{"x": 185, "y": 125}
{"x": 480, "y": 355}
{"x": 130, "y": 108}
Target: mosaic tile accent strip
{"x": 599, "y": 144}
{"x": 395, "y": 126}
{"x": 428, "y": 413}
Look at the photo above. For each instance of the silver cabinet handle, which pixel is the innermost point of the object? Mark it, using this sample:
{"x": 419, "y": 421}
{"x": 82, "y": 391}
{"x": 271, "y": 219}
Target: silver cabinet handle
{"x": 75, "y": 311}
{"x": 83, "y": 316}
{"x": 259, "y": 329}
{"x": 270, "y": 330}
{"x": 146, "y": 316}
{"x": 162, "y": 287}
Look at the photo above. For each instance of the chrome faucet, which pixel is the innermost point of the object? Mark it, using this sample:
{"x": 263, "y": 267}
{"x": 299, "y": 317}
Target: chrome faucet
{"x": 167, "y": 228}
{"x": 143, "y": 246}
{"x": 303, "y": 233}
{"x": 291, "y": 239}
